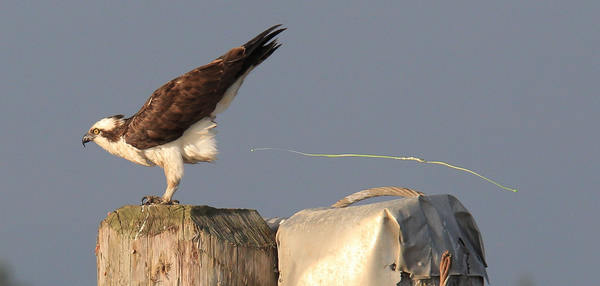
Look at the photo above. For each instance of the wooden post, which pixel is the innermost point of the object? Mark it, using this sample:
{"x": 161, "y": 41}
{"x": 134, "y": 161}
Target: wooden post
{"x": 185, "y": 245}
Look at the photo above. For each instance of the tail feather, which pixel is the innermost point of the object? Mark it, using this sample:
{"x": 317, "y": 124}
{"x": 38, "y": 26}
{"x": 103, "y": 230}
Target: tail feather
{"x": 259, "y": 48}
{"x": 262, "y": 38}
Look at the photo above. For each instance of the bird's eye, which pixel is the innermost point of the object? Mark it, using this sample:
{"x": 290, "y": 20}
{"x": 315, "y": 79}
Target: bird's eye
{"x": 96, "y": 131}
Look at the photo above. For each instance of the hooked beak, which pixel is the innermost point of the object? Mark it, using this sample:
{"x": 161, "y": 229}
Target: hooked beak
{"x": 86, "y": 138}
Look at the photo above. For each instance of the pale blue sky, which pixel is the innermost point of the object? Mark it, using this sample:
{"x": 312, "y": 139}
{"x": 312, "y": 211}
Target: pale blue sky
{"x": 508, "y": 88}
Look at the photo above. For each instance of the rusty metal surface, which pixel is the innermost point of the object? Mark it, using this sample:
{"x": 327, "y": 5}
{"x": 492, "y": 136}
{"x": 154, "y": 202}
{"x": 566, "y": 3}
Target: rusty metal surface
{"x": 376, "y": 192}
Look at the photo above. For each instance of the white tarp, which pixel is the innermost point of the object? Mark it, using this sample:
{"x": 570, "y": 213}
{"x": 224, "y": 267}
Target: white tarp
{"x": 372, "y": 244}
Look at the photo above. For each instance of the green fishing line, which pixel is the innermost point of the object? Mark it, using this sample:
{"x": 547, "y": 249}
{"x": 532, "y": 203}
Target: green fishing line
{"x": 419, "y": 160}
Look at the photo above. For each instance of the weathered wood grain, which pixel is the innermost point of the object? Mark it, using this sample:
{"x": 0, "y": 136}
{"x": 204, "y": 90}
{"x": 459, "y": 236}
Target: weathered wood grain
{"x": 185, "y": 245}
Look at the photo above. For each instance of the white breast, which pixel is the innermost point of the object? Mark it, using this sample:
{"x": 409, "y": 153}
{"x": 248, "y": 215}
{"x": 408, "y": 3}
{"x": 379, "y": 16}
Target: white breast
{"x": 124, "y": 150}
{"x": 197, "y": 144}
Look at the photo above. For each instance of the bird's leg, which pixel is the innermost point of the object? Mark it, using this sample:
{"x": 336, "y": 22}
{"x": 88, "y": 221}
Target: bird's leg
{"x": 171, "y": 188}
{"x": 165, "y": 199}
{"x": 173, "y": 173}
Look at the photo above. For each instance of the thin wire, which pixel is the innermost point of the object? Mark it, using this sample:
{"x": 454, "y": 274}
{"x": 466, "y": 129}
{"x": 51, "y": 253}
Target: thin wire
{"x": 419, "y": 160}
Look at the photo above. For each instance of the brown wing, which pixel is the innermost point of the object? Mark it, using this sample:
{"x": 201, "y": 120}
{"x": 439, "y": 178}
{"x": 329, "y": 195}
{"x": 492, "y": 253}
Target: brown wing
{"x": 193, "y": 96}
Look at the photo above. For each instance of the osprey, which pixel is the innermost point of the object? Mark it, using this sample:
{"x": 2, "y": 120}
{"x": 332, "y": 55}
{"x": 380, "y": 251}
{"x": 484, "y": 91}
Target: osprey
{"x": 176, "y": 124}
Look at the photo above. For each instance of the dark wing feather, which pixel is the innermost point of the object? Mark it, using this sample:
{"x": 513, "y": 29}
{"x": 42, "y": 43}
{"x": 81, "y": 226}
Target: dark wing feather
{"x": 193, "y": 96}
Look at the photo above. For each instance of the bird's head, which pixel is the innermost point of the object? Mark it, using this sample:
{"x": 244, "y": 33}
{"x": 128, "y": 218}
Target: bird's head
{"x": 105, "y": 128}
